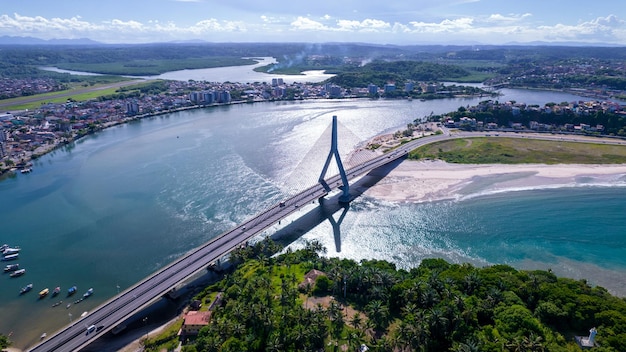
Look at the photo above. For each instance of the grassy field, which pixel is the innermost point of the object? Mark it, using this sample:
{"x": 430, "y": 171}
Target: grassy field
{"x": 520, "y": 151}
{"x": 77, "y": 93}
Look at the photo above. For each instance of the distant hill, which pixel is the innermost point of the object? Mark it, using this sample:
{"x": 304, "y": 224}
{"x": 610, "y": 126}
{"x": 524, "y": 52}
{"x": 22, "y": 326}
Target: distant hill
{"x": 9, "y": 40}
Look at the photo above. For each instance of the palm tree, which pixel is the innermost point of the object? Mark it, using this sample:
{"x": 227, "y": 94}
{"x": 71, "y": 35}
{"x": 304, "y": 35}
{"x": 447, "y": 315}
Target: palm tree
{"x": 356, "y": 321}
{"x": 438, "y": 322}
{"x": 533, "y": 343}
{"x": 471, "y": 282}
{"x": 468, "y": 346}
{"x": 378, "y": 313}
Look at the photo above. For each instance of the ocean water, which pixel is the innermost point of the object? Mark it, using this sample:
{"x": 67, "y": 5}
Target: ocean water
{"x": 116, "y": 206}
{"x": 576, "y": 232}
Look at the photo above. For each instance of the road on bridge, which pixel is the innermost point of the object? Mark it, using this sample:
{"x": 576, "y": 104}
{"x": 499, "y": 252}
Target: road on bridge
{"x": 113, "y": 312}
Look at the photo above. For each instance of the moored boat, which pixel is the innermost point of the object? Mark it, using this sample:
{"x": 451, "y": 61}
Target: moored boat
{"x": 26, "y": 289}
{"x": 17, "y": 273}
{"x": 71, "y": 290}
{"x": 43, "y": 293}
{"x": 88, "y": 293}
{"x": 10, "y": 250}
{"x": 56, "y": 291}
{"x": 6, "y": 258}
{"x": 11, "y": 267}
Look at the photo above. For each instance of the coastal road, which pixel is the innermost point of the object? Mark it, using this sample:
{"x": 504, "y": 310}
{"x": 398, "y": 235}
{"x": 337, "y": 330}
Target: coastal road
{"x": 113, "y": 312}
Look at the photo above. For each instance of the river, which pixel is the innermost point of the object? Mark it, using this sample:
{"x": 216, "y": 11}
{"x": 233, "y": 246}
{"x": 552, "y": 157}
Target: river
{"x": 115, "y": 206}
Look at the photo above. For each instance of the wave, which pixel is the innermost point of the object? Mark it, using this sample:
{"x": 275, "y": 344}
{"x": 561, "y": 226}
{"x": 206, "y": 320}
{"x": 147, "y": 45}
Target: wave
{"x": 481, "y": 186}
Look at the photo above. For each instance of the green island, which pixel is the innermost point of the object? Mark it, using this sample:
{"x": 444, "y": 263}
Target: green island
{"x": 303, "y": 301}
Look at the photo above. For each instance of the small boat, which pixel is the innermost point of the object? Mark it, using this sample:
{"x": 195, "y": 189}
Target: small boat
{"x": 68, "y": 306}
{"x": 17, "y": 273}
{"x": 27, "y": 170}
{"x": 56, "y": 291}
{"x": 43, "y": 336}
{"x": 10, "y": 250}
{"x": 88, "y": 293}
{"x": 6, "y": 258}
{"x": 43, "y": 293}
{"x": 26, "y": 289}
{"x": 57, "y": 304}
{"x": 11, "y": 267}
{"x": 71, "y": 290}
{"x": 3, "y": 247}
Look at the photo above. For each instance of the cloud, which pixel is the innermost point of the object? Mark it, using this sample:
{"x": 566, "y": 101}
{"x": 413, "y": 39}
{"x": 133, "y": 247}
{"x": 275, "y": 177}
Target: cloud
{"x": 609, "y": 28}
{"x": 496, "y": 28}
{"x": 460, "y": 24}
{"x": 496, "y": 17}
{"x": 365, "y": 25}
{"x": 307, "y": 24}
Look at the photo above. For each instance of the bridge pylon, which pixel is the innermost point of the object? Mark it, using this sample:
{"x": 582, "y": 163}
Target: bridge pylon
{"x": 334, "y": 151}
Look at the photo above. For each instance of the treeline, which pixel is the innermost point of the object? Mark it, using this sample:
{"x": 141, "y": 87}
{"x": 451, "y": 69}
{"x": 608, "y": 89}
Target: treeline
{"x": 614, "y": 124}
{"x": 398, "y": 72}
{"x": 437, "y": 306}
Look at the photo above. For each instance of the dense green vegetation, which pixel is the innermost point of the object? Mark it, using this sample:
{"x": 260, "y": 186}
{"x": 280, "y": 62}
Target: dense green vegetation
{"x": 150, "y": 67}
{"x": 398, "y": 72}
{"x": 501, "y": 150}
{"x": 437, "y": 306}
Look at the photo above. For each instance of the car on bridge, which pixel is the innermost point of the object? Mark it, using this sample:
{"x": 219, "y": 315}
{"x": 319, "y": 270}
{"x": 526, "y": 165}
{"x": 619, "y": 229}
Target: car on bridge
{"x": 90, "y": 329}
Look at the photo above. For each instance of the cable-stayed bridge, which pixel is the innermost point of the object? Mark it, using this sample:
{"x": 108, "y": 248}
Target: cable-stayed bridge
{"x": 335, "y": 175}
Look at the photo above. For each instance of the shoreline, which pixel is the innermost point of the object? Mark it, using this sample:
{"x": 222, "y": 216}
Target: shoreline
{"x": 427, "y": 181}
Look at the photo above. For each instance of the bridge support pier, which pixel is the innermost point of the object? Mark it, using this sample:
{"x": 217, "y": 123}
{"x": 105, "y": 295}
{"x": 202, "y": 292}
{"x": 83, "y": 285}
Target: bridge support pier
{"x": 334, "y": 151}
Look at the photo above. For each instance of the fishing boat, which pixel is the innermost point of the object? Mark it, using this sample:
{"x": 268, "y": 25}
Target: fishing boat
{"x": 43, "y": 293}
{"x": 88, "y": 293}
{"x": 56, "y": 291}
{"x": 26, "y": 289}
{"x": 11, "y": 267}
{"x": 17, "y": 273}
{"x": 71, "y": 290}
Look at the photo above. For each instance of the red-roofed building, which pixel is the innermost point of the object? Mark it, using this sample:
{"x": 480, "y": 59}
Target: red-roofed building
{"x": 194, "y": 321}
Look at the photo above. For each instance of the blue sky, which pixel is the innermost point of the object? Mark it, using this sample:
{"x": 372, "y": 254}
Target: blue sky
{"x": 401, "y": 22}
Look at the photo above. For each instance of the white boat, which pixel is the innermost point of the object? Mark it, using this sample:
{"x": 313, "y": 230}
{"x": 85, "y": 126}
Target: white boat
{"x": 17, "y": 273}
{"x": 11, "y": 267}
{"x": 10, "y": 250}
{"x": 10, "y": 257}
{"x": 88, "y": 293}
{"x": 26, "y": 289}
{"x": 27, "y": 170}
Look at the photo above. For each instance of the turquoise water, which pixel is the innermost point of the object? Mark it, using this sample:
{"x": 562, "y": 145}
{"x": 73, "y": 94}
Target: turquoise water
{"x": 116, "y": 206}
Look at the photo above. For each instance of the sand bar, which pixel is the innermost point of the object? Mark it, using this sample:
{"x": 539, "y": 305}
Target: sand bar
{"x": 424, "y": 181}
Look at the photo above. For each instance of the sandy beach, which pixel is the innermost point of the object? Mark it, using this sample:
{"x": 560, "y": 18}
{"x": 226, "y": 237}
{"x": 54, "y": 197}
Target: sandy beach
{"x": 424, "y": 181}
